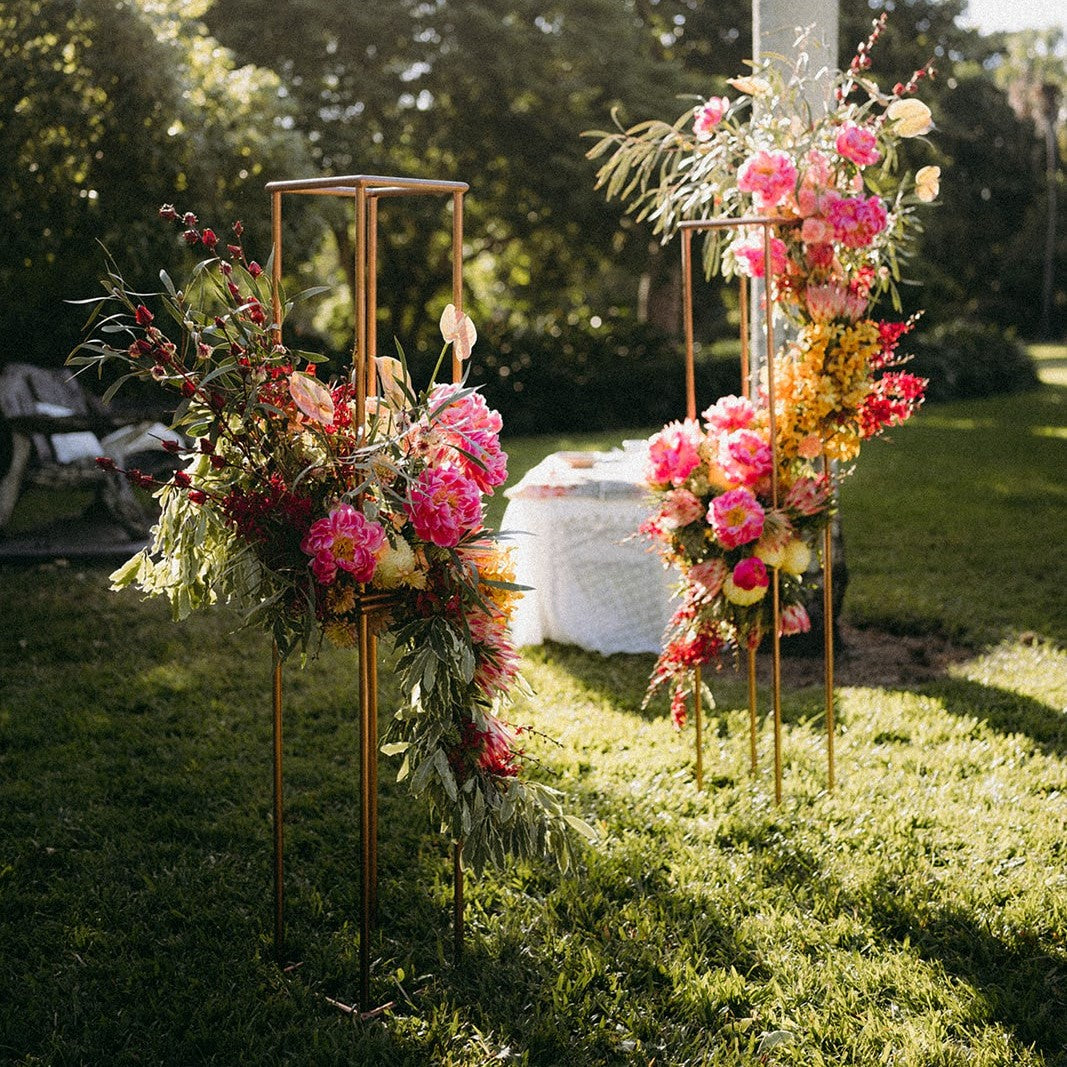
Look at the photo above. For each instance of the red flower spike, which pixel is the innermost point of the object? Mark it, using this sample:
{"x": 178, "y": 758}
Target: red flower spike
{"x": 182, "y": 479}
{"x": 198, "y": 496}
{"x": 255, "y": 269}
{"x": 173, "y": 447}
{"x": 189, "y": 219}
{"x": 188, "y": 388}
{"x": 191, "y": 237}
{"x": 238, "y": 228}
{"x": 106, "y": 463}
{"x": 142, "y": 315}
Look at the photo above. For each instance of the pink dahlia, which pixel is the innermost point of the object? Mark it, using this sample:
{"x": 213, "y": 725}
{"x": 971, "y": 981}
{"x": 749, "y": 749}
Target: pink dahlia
{"x": 709, "y": 116}
{"x": 745, "y": 457}
{"x": 345, "y": 539}
{"x": 443, "y": 505}
{"x": 769, "y": 176}
{"x": 730, "y": 413}
{"x": 736, "y": 518}
{"x": 857, "y": 144}
{"x": 673, "y": 453}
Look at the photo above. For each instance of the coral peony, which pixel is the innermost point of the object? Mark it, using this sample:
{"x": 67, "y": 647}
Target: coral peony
{"x": 730, "y": 413}
{"x": 673, "y": 453}
{"x": 857, "y": 144}
{"x": 443, "y": 505}
{"x": 769, "y": 176}
{"x": 709, "y": 116}
{"x": 745, "y": 457}
{"x": 736, "y": 518}
{"x": 345, "y": 539}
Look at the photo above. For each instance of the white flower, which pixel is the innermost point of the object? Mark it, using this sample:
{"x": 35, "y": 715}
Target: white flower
{"x": 751, "y": 85}
{"x": 458, "y": 330}
{"x": 911, "y": 117}
{"x": 927, "y": 183}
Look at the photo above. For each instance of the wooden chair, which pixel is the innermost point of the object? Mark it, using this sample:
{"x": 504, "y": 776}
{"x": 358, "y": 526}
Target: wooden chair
{"x": 51, "y": 431}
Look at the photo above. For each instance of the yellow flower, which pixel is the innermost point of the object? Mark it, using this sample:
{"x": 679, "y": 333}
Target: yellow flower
{"x": 927, "y": 183}
{"x": 911, "y": 117}
{"x": 341, "y": 634}
{"x": 742, "y": 597}
{"x": 397, "y": 566}
{"x": 795, "y": 557}
{"x": 340, "y": 598}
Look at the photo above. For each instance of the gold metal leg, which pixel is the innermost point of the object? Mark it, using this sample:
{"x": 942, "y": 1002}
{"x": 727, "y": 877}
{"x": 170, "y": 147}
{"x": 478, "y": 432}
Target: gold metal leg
{"x": 752, "y": 721}
{"x": 776, "y": 687}
{"x": 828, "y": 649}
{"x": 372, "y": 791}
{"x": 279, "y": 881}
{"x": 698, "y": 718}
{"x": 366, "y": 836}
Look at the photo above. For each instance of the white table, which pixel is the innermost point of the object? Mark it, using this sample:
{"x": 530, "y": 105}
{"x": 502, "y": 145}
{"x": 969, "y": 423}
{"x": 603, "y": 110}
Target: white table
{"x": 596, "y": 582}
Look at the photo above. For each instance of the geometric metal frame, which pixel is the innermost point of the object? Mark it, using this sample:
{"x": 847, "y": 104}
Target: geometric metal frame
{"x": 365, "y": 191}
{"x": 767, "y": 224}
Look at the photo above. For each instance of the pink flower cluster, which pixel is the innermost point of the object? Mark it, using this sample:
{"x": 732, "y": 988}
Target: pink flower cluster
{"x": 769, "y": 176}
{"x": 443, "y": 505}
{"x": 707, "y": 117}
{"x": 469, "y": 430}
{"x": 673, "y": 453}
{"x": 344, "y": 540}
{"x": 736, "y": 518}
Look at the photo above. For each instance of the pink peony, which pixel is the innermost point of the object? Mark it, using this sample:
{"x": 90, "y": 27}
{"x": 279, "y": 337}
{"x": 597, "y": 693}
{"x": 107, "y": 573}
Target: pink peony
{"x": 730, "y": 413}
{"x": 736, "y": 518}
{"x": 709, "y": 116}
{"x": 751, "y": 257}
{"x": 856, "y": 221}
{"x": 815, "y": 183}
{"x": 858, "y": 144}
{"x": 483, "y": 460}
{"x": 672, "y": 453}
{"x": 794, "y": 620}
{"x": 443, "y": 505}
{"x": 768, "y": 176}
{"x": 709, "y": 576}
{"x": 345, "y": 539}
{"x": 816, "y": 231}
{"x": 468, "y": 413}
{"x": 745, "y": 457}
{"x": 679, "y": 508}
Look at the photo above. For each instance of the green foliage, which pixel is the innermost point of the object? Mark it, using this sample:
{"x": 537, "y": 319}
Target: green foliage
{"x": 968, "y": 357}
{"x": 915, "y": 916}
{"x": 622, "y": 374}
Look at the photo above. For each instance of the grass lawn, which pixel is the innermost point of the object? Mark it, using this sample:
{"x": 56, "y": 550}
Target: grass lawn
{"x": 918, "y": 916}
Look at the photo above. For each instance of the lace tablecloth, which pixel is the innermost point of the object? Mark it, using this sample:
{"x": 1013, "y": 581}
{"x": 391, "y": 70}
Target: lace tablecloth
{"x": 596, "y": 582}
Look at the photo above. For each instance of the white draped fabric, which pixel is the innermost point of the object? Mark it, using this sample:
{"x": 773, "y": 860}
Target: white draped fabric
{"x": 596, "y": 582}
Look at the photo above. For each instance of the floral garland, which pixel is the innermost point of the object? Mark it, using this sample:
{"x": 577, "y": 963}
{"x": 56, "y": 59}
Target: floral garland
{"x": 844, "y": 221}
{"x": 290, "y": 509}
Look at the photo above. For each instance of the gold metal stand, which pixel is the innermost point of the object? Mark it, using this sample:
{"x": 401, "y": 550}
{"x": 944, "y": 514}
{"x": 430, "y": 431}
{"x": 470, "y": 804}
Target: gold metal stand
{"x": 365, "y": 191}
{"x": 767, "y": 225}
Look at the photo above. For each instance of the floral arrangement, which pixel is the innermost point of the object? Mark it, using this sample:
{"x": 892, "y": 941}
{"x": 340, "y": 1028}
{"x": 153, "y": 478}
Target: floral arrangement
{"x": 717, "y": 521}
{"x": 288, "y": 505}
{"x": 843, "y": 217}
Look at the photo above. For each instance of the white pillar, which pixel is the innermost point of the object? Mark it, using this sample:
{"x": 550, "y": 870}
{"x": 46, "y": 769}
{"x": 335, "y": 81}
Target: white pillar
{"x": 776, "y": 25}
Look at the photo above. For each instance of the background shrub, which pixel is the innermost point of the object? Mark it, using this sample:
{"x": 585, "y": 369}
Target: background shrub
{"x": 970, "y": 358}
{"x": 597, "y": 379}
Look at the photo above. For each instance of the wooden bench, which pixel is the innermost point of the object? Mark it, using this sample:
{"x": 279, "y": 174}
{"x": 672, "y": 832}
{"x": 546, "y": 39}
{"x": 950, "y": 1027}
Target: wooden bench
{"x": 51, "y": 431}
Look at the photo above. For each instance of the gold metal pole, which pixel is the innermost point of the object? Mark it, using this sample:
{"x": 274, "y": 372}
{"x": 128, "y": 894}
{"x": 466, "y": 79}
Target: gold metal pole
{"x": 372, "y": 292}
{"x": 366, "y": 837}
{"x": 279, "y": 880}
{"x": 752, "y": 721}
{"x": 828, "y": 645}
{"x": 276, "y": 269}
{"x": 698, "y": 718}
{"x": 746, "y": 368}
{"x": 776, "y": 650}
{"x": 359, "y": 352}
{"x": 457, "y": 272}
{"x": 457, "y": 901}
{"x": 372, "y": 790}
{"x": 687, "y": 312}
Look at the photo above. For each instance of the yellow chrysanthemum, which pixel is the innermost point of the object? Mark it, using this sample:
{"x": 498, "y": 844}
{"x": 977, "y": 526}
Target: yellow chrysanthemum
{"x": 341, "y": 634}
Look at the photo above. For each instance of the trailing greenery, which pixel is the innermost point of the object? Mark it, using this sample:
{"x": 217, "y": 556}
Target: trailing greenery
{"x": 915, "y": 917}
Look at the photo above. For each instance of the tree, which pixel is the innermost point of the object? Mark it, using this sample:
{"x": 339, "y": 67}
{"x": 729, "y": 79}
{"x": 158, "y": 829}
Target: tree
{"x": 96, "y": 141}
